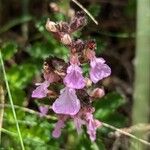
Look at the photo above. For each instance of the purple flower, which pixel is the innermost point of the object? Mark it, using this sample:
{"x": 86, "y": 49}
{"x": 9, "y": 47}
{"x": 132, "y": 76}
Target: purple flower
{"x": 78, "y": 122}
{"x": 41, "y": 91}
{"x": 58, "y": 126}
{"x": 67, "y": 103}
{"x": 74, "y": 78}
{"x": 99, "y": 69}
{"x": 92, "y": 125}
{"x": 43, "y": 110}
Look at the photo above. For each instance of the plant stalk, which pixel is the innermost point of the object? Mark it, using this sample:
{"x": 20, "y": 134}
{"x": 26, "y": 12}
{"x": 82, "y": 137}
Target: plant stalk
{"x": 141, "y": 110}
{"x": 11, "y": 102}
{"x": 1, "y": 109}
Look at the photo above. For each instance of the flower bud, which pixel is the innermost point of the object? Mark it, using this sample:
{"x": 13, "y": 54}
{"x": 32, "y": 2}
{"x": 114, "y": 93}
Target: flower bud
{"x": 43, "y": 110}
{"x": 66, "y": 39}
{"x": 74, "y": 59}
{"x": 51, "y": 26}
{"x": 97, "y": 93}
{"x": 54, "y": 7}
{"x": 88, "y": 82}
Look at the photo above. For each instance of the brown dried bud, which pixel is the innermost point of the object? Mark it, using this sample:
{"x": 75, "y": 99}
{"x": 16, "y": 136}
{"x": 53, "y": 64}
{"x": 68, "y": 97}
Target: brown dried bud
{"x": 51, "y": 26}
{"x": 71, "y": 13}
{"x": 52, "y": 94}
{"x": 97, "y": 93}
{"x": 91, "y": 44}
{"x": 78, "y": 21}
{"x": 63, "y": 27}
{"x": 77, "y": 46}
{"x": 89, "y": 54}
{"x": 66, "y": 39}
{"x": 55, "y": 64}
{"x": 54, "y": 7}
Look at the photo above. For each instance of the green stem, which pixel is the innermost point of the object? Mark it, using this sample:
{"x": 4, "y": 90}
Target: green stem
{"x": 2, "y": 109}
{"x": 142, "y": 65}
{"x": 11, "y": 102}
{"x": 8, "y": 132}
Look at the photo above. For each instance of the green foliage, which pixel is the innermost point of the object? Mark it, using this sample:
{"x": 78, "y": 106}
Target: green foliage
{"x": 130, "y": 8}
{"x": 101, "y": 46}
{"x": 107, "y": 109}
{"x": 94, "y": 9}
{"x": 9, "y": 49}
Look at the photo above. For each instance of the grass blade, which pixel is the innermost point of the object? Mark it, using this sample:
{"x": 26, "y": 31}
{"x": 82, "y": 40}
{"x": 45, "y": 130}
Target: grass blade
{"x": 11, "y": 101}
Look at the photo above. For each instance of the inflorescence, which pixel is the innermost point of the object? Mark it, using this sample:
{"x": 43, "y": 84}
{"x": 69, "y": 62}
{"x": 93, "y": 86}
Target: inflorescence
{"x": 75, "y": 99}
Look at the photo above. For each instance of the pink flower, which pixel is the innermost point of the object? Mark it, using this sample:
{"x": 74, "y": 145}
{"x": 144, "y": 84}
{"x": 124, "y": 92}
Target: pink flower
{"x": 41, "y": 91}
{"x": 78, "y": 122}
{"x": 97, "y": 93}
{"x": 99, "y": 69}
{"x": 67, "y": 103}
{"x": 74, "y": 78}
{"x": 43, "y": 110}
{"x": 58, "y": 126}
{"x": 92, "y": 125}
{"x": 85, "y": 117}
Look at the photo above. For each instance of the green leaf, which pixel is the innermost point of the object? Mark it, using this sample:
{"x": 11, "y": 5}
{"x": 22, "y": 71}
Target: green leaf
{"x": 40, "y": 50}
{"x": 108, "y": 105}
{"x": 86, "y": 69}
{"x": 116, "y": 119}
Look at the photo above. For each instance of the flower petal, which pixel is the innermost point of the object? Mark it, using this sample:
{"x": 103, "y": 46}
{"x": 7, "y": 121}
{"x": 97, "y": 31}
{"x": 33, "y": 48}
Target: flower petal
{"x": 67, "y": 103}
{"x": 78, "y": 124}
{"x": 99, "y": 70}
{"x": 74, "y": 78}
{"x": 92, "y": 125}
{"x": 41, "y": 91}
{"x": 58, "y": 126}
{"x": 43, "y": 110}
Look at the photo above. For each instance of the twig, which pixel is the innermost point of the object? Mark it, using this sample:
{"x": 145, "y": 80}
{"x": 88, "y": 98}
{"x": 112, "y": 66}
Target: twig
{"x": 126, "y": 133}
{"x": 29, "y": 111}
{"x": 86, "y": 11}
{"x": 11, "y": 102}
{"x": 2, "y": 109}
{"x": 121, "y": 131}
{"x": 137, "y": 128}
{"x": 8, "y": 132}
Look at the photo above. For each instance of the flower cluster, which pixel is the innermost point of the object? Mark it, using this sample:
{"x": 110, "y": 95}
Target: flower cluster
{"x": 75, "y": 99}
